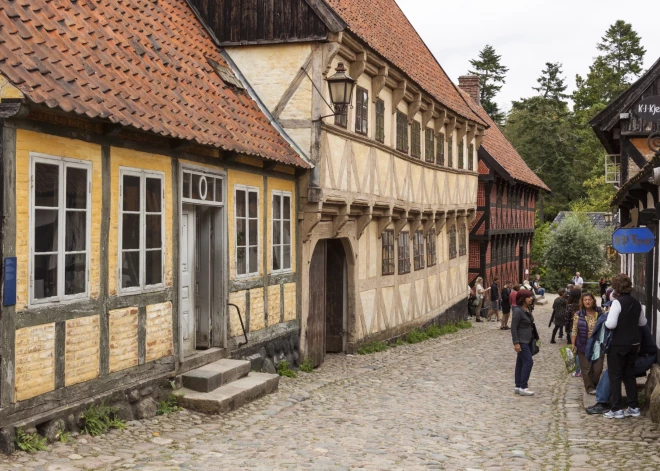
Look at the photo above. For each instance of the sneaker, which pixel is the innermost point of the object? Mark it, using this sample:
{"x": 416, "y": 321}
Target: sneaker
{"x": 598, "y": 408}
{"x": 631, "y": 412}
{"x": 576, "y": 375}
{"x": 525, "y": 392}
{"x": 614, "y": 414}
{"x": 591, "y": 392}
{"x": 516, "y": 390}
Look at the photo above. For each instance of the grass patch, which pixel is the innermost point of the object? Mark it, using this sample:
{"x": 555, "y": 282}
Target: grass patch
{"x": 168, "y": 406}
{"x": 399, "y": 342}
{"x": 29, "y": 442}
{"x": 283, "y": 369}
{"x": 372, "y": 347}
{"x": 307, "y": 366}
{"x": 417, "y": 336}
{"x": 464, "y": 324}
{"x": 99, "y": 419}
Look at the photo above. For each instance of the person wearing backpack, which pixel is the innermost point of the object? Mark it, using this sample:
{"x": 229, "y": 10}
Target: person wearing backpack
{"x": 584, "y": 321}
{"x": 624, "y": 319}
{"x": 559, "y": 313}
{"x": 522, "y": 334}
{"x": 506, "y": 306}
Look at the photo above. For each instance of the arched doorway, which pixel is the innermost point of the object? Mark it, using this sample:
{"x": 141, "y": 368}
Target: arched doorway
{"x": 328, "y": 300}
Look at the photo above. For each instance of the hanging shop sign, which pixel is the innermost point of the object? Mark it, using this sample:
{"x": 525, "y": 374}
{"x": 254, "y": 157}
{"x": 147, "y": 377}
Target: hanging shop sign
{"x": 633, "y": 240}
{"x": 648, "y": 109}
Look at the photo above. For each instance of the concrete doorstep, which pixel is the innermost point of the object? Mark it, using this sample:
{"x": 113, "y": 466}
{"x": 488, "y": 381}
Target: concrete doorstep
{"x": 210, "y": 377}
{"x": 230, "y": 396}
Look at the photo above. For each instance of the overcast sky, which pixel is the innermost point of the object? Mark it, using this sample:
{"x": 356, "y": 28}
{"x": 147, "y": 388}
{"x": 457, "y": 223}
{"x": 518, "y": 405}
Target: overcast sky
{"x": 527, "y": 34}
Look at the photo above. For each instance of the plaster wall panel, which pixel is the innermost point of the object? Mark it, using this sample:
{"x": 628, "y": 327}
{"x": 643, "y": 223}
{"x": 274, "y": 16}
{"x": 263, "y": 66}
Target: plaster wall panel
{"x": 81, "y": 352}
{"x": 274, "y": 304}
{"x": 257, "y": 318}
{"x": 290, "y": 302}
{"x": 237, "y": 298}
{"x": 159, "y": 331}
{"x": 35, "y": 361}
{"x": 123, "y": 331}
{"x": 368, "y": 299}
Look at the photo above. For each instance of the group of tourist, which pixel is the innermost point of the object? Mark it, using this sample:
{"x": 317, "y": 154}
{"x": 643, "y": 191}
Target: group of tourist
{"x": 617, "y": 329}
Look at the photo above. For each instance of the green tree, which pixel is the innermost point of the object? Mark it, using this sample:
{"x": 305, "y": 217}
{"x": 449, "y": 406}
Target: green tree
{"x": 619, "y": 63}
{"x": 597, "y": 198}
{"x": 575, "y": 245}
{"x": 539, "y": 244}
{"x": 488, "y": 67}
{"x": 543, "y": 132}
{"x": 551, "y": 83}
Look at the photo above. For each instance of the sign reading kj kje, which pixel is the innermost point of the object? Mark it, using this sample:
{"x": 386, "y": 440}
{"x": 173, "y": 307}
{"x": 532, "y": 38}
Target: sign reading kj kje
{"x": 648, "y": 109}
{"x": 633, "y": 240}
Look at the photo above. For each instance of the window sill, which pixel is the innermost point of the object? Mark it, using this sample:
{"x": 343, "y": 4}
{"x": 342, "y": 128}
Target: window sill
{"x": 55, "y": 303}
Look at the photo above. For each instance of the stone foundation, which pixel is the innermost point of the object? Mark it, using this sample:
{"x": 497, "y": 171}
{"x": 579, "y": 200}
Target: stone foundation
{"x": 136, "y": 402}
{"x": 267, "y": 354}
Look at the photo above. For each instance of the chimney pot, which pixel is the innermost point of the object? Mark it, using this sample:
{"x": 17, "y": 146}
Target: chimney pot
{"x": 470, "y": 85}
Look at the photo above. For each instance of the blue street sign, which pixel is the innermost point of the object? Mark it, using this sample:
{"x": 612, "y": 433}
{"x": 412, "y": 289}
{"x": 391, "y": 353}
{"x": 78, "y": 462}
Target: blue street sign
{"x": 633, "y": 240}
{"x": 9, "y": 292}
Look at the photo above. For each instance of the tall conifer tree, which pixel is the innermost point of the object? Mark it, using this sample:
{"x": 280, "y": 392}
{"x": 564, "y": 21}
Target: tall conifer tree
{"x": 488, "y": 67}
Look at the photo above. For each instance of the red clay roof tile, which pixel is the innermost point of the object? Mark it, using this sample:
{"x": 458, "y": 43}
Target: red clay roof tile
{"x": 499, "y": 147}
{"x": 140, "y": 63}
{"x": 384, "y": 27}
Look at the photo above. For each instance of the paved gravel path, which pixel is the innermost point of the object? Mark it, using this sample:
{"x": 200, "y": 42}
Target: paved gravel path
{"x": 446, "y": 403}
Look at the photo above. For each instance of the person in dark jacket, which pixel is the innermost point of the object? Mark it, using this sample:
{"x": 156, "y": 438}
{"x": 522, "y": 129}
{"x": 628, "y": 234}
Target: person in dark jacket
{"x": 646, "y": 358}
{"x": 506, "y": 306}
{"x": 584, "y": 322}
{"x": 573, "y": 306}
{"x": 494, "y": 300}
{"x": 559, "y": 308}
{"x": 624, "y": 318}
{"x": 522, "y": 336}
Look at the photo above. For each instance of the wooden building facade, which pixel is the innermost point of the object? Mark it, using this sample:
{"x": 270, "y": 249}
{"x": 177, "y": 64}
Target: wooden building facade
{"x": 149, "y": 207}
{"x": 385, "y": 211}
{"x": 501, "y": 234}
{"x": 632, "y": 143}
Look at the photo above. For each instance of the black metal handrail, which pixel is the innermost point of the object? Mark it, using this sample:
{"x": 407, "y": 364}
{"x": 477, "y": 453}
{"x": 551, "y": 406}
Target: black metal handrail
{"x": 242, "y": 325}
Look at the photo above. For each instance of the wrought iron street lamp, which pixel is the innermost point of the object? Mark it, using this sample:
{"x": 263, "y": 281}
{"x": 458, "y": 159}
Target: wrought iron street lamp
{"x": 340, "y": 88}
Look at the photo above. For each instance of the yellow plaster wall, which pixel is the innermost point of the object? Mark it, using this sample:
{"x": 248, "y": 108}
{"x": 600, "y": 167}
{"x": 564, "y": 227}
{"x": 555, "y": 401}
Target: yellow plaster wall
{"x": 26, "y": 142}
{"x": 82, "y": 350}
{"x": 273, "y": 305}
{"x": 35, "y": 361}
{"x": 8, "y": 91}
{"x": 271, "y": 68}
{"x": 239, "y": 299}
{"x": 257, "y": 317}
{"x": 159, "y": 331}
{"x": 235, "y": 177}
{"x": 289, "y": 302}
{"x": 123, "y": 330}
{"x": 120, "y": 157}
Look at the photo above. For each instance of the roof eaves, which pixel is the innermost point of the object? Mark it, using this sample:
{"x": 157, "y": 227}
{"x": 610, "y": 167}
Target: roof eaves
{"x": 330, "y": 18}
{"x": 644, "y": 172}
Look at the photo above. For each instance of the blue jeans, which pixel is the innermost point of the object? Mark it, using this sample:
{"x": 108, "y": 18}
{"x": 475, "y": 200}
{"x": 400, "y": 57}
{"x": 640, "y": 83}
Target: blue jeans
{"x": 524, "y": 363}
{"x": 642, "y": 365}
{"x": 541, "y": 291}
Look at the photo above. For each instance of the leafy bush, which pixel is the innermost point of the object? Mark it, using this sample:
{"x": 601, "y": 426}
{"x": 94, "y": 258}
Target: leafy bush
{"x": 372, "y": 347}
{"x": 63, "y": 436}
{"x": 29, "y": 442}
{"x": 283, "y": 369}
{"x": 307, "y": 366}
{"x": 168, "y": 406}
{"x": 100, "y": 418}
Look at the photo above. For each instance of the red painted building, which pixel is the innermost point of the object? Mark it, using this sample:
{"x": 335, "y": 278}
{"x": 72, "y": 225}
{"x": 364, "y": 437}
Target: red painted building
{"x": 502, "y": 231}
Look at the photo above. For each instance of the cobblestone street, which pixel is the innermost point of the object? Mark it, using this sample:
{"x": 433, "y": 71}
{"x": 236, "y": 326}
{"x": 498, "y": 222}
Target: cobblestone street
{"x": 442, "y": 404}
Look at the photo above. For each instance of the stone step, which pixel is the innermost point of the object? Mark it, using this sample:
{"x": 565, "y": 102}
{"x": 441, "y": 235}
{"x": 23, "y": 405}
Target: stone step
{"x": 230, "y": 396}
{"x": 214, "y": 375}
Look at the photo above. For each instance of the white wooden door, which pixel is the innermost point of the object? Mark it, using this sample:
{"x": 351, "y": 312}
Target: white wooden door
{"x": 187, "y": 281}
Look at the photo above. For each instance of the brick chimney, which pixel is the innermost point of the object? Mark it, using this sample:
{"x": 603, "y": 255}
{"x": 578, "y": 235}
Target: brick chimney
{"x": 470, "y": 85}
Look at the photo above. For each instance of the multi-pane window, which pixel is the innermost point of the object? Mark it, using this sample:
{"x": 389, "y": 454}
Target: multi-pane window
{"x": 401, "y": 132}
{"x": 430, "y": 248}
{"x": 416, "y": 139}
{"x": 59, "y": 239}
{"x": 471, "y": 157}
{"x": 450, "y": 152}
{"x": 247, "y": 230}
{"x": 342, "y": 119}
{"x": 361, "y": 110}
{"x": 429, "y": 148}
{"x": 281, "y": 231}
{"x": 388, "y": 252}
{"x": 380, "y": 120}
{"x": 418, "y": 250}
{"x": 460, "y": 154}
{"x": 199, "y": 186}
{"x": 404, "y": 252}
{"x": 440, "y": 152}
{"x": 141, "y": 241}
{"x": 452, "y": 241}
{"x": 462, "y": 240}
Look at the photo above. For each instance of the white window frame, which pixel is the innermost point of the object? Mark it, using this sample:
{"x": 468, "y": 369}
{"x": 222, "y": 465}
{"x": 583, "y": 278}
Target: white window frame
{"x": 63, "y": 163}
{"x": 248, "y": 190}
{"x": 143, "y": 175}
{"x": 282, "y": 194}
